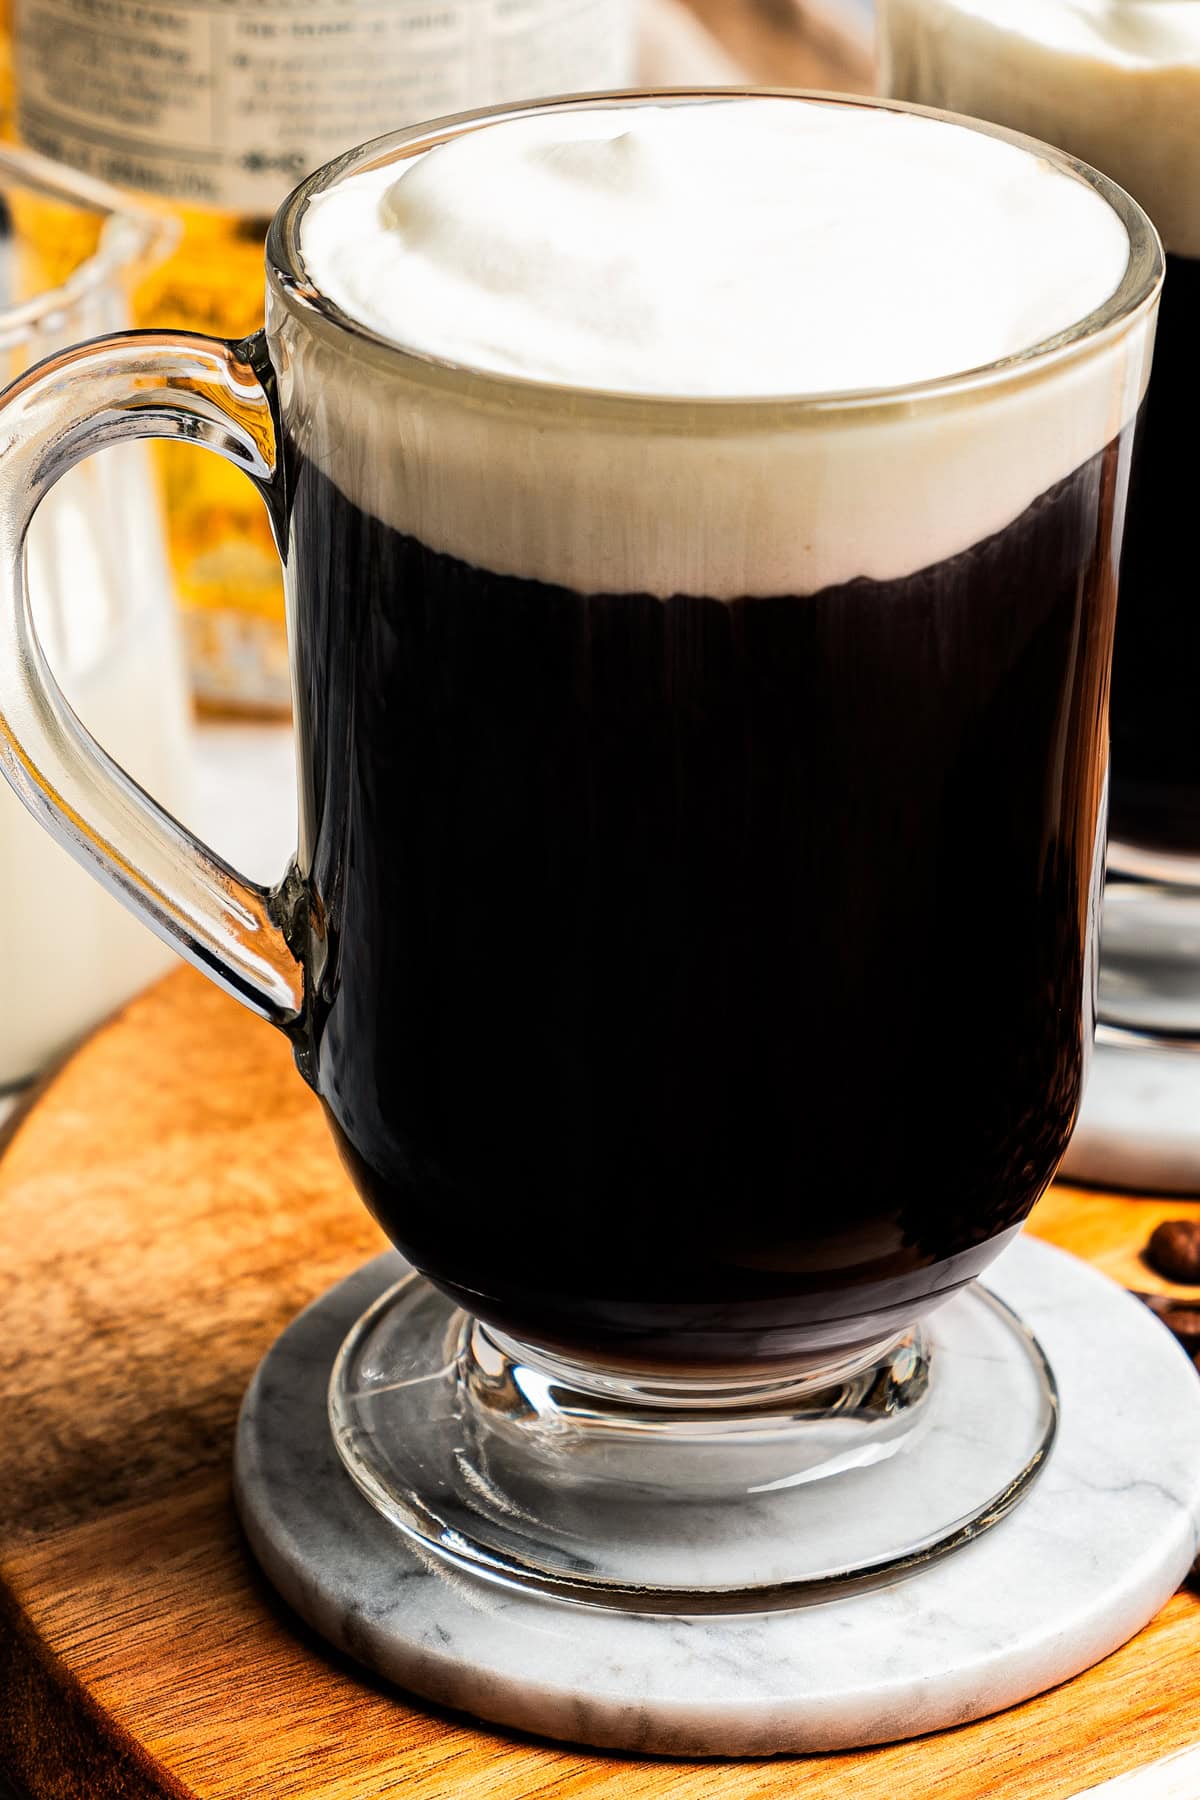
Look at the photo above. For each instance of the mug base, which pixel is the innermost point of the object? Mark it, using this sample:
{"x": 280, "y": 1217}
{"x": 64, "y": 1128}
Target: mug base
{"x": 1097, "y": 1546}
{"x": 694, "y": 1497}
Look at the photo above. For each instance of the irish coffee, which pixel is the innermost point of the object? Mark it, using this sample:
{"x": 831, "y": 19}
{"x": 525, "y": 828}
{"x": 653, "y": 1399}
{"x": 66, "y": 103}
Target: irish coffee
{"x": 704, "y": 978}
{"x": 701, "y": 516}
{"x": 702, "y": 818}
{"x": 1119, "y": 86}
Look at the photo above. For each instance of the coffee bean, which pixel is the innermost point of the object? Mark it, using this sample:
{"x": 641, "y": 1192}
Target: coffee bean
{"x": 1174, "y": 1249}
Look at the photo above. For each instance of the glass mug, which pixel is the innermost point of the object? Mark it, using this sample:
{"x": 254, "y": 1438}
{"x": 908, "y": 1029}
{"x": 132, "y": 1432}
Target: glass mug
{"x": 70, "y": 252}
{"x": 607, "y": 907}
{"x": 1118, "y": 83}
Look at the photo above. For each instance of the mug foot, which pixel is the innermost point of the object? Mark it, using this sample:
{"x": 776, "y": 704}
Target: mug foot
{"x": 1094, "y": 1550}
{"x": 696, "y": 1497}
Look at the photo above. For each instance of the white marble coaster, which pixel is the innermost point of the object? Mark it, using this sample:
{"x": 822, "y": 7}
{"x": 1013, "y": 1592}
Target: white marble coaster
{"x": 1100, "y": 1543}
{"x": 1139, "y": 1129}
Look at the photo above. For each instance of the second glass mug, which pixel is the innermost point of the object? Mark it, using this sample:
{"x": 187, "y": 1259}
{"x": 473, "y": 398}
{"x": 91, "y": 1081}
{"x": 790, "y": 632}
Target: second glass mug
{"x": 1118, "y": 83}
{"x": 601, "y": 1025}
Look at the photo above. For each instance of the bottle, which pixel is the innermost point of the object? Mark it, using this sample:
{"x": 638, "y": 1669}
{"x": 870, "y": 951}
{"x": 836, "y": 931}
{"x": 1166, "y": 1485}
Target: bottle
{"x": 218, "y": 108}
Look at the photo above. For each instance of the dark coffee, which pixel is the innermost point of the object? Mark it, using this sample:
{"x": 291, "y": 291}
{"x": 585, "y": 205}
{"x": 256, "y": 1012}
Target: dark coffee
{"x": 702, "y": 981}
{"x": 1155, "y": 801}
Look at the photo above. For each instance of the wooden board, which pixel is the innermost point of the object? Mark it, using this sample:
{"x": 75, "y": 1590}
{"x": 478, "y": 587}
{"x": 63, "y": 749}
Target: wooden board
{"x": 167, "y": 1205}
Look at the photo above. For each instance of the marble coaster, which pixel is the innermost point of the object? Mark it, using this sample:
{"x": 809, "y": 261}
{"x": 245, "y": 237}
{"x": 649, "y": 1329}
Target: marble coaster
{"x": 1139, "y": 1128}
{"x": 1100, "y": 1543}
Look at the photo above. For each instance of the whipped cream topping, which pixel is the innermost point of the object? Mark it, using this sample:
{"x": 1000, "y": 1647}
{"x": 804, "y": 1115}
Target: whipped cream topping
{"x": 740, "y": 247}
{"x": 762, "y": 247}
{"x": 1134, "y": 34}
{"x": 1115, "y": 82}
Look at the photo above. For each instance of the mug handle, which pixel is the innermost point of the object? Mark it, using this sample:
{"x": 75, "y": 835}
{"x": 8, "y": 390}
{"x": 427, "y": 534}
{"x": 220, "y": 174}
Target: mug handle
{"x": 150, "y": 384}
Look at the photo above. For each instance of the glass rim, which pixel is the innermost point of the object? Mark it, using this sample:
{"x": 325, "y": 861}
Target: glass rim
{"x": 1135, "y": 296}
{"x": 129, "y": 233}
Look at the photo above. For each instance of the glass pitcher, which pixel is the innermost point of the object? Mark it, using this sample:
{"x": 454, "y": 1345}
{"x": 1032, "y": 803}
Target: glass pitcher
{"x": 101, "y": 595}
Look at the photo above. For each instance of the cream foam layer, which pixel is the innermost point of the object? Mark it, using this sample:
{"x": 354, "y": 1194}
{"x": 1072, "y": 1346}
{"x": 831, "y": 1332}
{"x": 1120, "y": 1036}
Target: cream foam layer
{"x": 1116, "y": 82}
{"x": 757, "y": 499}
{"x": 752, "y": 248}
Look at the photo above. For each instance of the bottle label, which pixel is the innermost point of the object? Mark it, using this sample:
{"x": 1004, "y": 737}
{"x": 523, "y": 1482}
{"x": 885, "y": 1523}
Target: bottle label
{"x": 229, "y": 103}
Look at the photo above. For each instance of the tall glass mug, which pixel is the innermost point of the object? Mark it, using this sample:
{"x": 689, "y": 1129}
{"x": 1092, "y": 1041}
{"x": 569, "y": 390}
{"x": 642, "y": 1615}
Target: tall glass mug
{"x": 689, "y": 938}
{"x": 1118, "y": 83}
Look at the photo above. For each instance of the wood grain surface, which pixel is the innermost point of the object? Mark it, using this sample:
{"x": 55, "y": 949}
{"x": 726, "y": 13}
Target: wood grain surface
{"x": 168, "y": 1204}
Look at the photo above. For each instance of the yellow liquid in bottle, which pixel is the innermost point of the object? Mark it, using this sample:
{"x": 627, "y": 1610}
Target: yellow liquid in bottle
{"x": 223, "y": 557}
